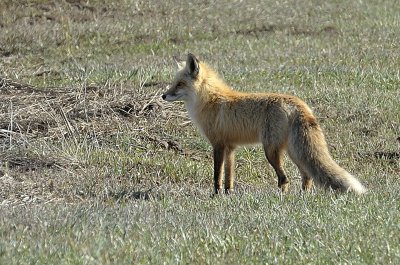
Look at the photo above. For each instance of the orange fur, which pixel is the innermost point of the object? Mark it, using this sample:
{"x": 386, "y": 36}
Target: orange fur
{"x": 229, "y": 118}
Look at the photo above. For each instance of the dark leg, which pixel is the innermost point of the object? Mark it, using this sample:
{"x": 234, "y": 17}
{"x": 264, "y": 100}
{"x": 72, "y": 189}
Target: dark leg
{"x": 307, "y": 182}
{"x": 229, "y": 169}
{"x": 274, "y": 157}
{"x": 219, "y": 153}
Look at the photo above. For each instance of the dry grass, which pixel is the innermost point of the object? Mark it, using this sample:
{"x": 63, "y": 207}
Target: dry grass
{"x": 47, "y": 132}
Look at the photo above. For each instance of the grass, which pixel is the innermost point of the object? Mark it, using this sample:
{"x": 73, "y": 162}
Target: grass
{"x": 96, "y": 169}
{"x": 260, "y": 227}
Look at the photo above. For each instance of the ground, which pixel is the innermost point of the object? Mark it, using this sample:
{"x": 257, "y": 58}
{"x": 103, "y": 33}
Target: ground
{"x": 96, "y": 168}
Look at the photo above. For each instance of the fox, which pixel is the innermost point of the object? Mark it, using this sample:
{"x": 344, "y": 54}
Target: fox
{"x": 281, "y": 123}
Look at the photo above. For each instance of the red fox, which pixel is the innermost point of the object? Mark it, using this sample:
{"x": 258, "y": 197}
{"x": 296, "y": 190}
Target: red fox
{"x": 229, "y": 118}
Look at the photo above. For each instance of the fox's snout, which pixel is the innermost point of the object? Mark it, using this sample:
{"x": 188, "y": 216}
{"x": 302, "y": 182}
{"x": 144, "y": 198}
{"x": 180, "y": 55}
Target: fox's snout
{"x": 173, "y": 94}
{"x": 164, "y": 95}
{"x": 170, "y": 96}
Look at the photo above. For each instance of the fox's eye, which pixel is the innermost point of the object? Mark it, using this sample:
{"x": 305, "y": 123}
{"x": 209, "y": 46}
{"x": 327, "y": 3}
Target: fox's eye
{"x": 180, "y": 84}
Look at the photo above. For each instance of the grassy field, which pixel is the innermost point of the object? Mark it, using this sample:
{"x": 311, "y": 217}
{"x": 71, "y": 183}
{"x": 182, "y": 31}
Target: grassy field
{"x": 96, "y": 169}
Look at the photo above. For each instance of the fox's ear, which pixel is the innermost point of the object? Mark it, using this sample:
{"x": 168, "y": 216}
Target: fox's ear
{"x": 180, "y": 64}
{"x": 192, "y": 65}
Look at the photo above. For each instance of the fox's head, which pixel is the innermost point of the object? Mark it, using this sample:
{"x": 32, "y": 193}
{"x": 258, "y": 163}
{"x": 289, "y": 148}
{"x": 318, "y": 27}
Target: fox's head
{"x": 183, "y": 87}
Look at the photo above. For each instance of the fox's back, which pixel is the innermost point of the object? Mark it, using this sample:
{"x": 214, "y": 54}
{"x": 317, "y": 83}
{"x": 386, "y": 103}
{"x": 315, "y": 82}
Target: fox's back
{"x": 242, "y": 118}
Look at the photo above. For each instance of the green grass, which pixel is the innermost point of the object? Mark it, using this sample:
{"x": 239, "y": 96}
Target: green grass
{"x": 96, "y": 169}
{"x": 256, "y": 227}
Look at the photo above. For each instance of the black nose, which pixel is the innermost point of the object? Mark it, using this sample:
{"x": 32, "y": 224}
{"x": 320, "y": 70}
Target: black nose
{"x": 163, "y": 96}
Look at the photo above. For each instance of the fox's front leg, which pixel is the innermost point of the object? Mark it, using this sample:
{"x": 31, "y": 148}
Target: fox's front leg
{"x": 229, "y": 169}
{"x": 219, "y": 154}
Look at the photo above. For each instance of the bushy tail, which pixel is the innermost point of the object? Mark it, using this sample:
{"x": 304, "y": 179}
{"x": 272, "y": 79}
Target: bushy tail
{"x": 308, "y": 150}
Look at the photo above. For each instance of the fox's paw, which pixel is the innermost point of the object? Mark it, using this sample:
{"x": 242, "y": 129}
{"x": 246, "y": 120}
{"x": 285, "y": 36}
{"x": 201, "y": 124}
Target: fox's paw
{"x": 229, "y": 191}
{"x": 285, "y": 187}
{"x": 307, "y": 185}
{"x": 221, "y": 192}
{"x": 217, "y": 193}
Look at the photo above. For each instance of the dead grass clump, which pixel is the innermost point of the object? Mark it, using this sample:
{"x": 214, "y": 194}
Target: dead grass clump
{"x": 67, "y": 131}
{"x": 54, "y": 113}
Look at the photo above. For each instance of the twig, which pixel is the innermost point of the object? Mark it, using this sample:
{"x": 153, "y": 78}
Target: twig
{"x": 150, "y": 101}
{"x": 11, "y": 123}
{"x": 68, "y": 124}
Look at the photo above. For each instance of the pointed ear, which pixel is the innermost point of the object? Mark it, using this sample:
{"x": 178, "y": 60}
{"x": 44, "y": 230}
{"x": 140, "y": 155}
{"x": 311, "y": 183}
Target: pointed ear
{"x": 180, "y": 64}
{"x": 192, "y": 65}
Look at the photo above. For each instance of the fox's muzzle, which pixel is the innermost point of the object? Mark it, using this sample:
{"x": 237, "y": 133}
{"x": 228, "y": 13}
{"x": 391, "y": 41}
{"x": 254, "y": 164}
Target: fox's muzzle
{"x": 173, "y": 94}
{"x": 164, "y": 96}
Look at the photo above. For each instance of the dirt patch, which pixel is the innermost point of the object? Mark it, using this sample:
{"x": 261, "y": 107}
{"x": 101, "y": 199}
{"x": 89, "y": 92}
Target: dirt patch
{"x": 388, "y": 155}
{"x": 383, "y": 155}
{"x": 257, "y": 30}
{"x": 288, "y": 29}
{"x": 31, "y": 164}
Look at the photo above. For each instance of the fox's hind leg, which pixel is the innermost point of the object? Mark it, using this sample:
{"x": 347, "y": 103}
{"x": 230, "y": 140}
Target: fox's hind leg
{"x": 274, "y": 138}
{"x": 219, "y": 155}
{"x": 307, "y": 182}
{"x": 274, "y": 157}
{"x": 229, "y": 168}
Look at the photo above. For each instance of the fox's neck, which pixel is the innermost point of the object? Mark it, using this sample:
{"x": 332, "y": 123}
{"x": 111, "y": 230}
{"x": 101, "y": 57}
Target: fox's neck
{"x": 207, "y": 97}
{"x": 196, "y": 102}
